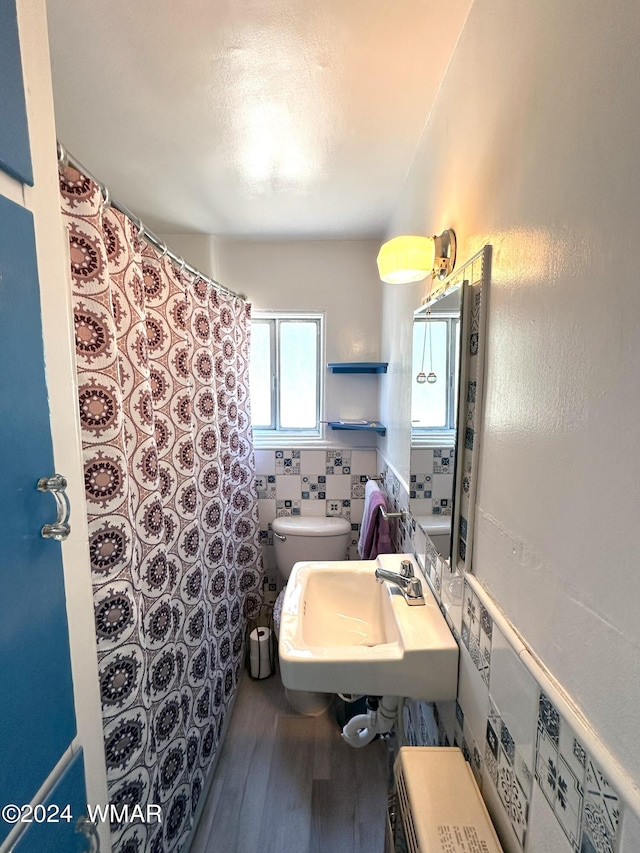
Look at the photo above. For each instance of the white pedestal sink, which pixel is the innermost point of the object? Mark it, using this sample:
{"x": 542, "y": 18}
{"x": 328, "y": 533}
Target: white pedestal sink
{"x": 342, "y": 631}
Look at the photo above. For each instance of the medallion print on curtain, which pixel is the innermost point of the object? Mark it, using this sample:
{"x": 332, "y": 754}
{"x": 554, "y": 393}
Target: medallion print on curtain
{"x": 173, "y": 523}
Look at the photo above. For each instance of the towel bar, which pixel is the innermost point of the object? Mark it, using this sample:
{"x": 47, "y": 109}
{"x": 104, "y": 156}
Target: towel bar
{"x": 402, "y": 514}
{"x": 378, "y": 479}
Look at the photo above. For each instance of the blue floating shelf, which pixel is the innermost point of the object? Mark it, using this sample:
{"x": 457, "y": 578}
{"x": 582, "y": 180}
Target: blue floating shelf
{"x": 366, "y": 426}
{"x": 358, "y": 366}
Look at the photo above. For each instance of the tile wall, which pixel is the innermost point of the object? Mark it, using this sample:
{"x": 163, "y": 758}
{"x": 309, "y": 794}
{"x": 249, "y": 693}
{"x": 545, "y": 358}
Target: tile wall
{"x": 431, "y": 480}
{"x": 309, "y": 482}
{"x": 548, "y": 782}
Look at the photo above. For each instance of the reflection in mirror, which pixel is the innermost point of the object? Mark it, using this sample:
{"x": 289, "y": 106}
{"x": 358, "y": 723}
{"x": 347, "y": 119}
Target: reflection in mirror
{"x": 436, "y": 348}
{"x": 435, "y": 374}
{"x": 444, "y": 460}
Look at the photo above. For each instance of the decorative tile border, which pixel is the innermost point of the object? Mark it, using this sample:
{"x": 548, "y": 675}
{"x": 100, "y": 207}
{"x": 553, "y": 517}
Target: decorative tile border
{"x": 420, "y": 486}
{"x": 477, "y": 630}
{"x": 287, "y": 461}
{"x": 296, "y": 482}
{"x": 338, "y": 461}
{"x": 358, "y": 486}
{"x": 338, "y": 508}
{"x": 441, "y": 506}
{"x": 287, "y": 507}
{"x": 266, "y": 487}
{"x": 314, "y": 487}
{"x": 585, "y": 802}
{"x": 443, "y": 460}
{"x": 314, "y": 484}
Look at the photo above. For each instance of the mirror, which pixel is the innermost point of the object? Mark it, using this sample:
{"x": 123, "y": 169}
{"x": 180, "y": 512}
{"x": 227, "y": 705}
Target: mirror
{"x": 434, "y": 398}
{"x": 448, "y": 360}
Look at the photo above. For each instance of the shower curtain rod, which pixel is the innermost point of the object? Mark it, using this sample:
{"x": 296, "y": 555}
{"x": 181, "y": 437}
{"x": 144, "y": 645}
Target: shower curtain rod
{"x": 64, "y": 158}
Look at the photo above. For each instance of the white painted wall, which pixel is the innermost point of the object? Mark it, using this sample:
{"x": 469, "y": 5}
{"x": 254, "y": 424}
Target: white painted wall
{"x": 532, "y": 146}
{"x": 338, "y": 277}
{"x": 399, "y": 302}
{"x": 334, "y": 276}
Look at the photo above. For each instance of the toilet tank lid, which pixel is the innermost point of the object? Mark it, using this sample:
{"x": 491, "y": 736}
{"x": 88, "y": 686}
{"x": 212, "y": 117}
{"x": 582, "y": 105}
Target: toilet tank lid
{"x": 298, "y": 525}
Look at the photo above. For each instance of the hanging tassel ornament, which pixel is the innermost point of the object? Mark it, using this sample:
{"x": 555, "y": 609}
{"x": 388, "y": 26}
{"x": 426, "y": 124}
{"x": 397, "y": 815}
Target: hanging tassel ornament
{"x": 422, "y": 377}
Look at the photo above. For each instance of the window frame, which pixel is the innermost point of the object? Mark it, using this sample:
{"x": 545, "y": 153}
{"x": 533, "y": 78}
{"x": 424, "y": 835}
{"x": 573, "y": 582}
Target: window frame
{"x": 443, "y": 435}
{"x": 275, "y": 432}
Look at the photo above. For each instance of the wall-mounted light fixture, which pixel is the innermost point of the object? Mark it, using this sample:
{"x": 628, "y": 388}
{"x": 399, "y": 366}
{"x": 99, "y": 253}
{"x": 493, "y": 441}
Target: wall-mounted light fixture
{"x": 412, "y": 258}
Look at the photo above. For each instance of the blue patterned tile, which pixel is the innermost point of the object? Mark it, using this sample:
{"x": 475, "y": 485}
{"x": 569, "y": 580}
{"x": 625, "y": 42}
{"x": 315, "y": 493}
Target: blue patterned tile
{"x": 486, "y": 622}
{"x": 514, "y": 799}
{"x": 357, "y": 486}
{"x": 549, "y": 718}
{"x": 507, "y": 742}
{"x": 464, "y": 633}
{"x": 587, "y": 846}
{"x": 579, "y": 752}
{"x": 492, "y": 739}
{"x": 465, "y": 750}
{"x": 313, "y": 487}
{"x": 287, "y": 507}
{"x": 491, "y": 763}
{"x": 463, "y": 527}
{"x": 287, "y": 461}
{"x": 595, "y": 833}
{"x": 601, "y": 808}
{"x": 471, "y": 609}
{"x": 546, "y": 766}
{"x": 443, "y": 460}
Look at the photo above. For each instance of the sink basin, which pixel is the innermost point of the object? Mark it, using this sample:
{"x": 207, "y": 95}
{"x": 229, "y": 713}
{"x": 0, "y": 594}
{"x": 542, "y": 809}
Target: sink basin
{"x": 342, "y": 631}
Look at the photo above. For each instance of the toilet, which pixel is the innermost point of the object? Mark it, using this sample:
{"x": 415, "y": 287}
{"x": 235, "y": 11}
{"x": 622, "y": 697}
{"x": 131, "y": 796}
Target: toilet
{"x": 298, "y": 539}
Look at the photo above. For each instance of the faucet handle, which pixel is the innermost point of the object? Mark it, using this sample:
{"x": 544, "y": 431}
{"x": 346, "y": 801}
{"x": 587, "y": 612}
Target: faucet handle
{"x": 414, "y": 589}
{"x": 406, "y": 569}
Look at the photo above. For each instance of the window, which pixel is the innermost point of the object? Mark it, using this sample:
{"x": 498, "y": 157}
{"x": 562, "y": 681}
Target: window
{"x": 285, "y": 375}
{"x": 436, "y": 341}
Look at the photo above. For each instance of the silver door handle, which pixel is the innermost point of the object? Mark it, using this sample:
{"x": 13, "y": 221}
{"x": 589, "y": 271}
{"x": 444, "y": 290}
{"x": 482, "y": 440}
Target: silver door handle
{"x": 60, "y": 528}
{"x": 90, "y": 831}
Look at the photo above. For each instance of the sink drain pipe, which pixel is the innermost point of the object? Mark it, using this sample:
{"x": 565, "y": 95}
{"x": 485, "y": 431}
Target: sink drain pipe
{"x": 379, "y": 719}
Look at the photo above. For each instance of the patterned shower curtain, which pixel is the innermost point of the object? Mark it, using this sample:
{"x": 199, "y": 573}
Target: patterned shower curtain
{"x": 163, "y": 368}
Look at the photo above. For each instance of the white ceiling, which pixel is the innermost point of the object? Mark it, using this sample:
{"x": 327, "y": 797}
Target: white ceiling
{"x": 250, "y": 118}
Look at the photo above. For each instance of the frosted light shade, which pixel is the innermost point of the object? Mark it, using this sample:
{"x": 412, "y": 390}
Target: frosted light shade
{"x": 405, "y": 259}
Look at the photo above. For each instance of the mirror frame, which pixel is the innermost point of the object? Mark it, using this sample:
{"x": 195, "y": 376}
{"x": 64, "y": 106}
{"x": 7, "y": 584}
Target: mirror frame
{"x": 473, "y": 277}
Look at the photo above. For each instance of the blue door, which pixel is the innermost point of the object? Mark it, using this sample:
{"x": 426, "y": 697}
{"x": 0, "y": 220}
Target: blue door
{"x": 37, "y": 715}
{"x": 15, "y": 156}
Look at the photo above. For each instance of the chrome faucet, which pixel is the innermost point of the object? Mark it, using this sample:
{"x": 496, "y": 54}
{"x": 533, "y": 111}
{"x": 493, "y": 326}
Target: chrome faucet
{"x": 410, "y": 585}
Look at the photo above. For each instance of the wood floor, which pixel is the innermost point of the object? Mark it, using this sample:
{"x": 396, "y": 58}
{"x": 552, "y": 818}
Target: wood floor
{"x": 289, "y": 784}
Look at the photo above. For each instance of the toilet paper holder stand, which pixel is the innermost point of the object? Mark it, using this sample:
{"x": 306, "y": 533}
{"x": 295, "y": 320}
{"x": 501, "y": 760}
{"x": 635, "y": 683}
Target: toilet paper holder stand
{"x": 261, "y": 653}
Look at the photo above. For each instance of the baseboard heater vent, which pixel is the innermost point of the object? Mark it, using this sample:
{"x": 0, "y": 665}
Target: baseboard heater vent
{"x": 437, "y": 806}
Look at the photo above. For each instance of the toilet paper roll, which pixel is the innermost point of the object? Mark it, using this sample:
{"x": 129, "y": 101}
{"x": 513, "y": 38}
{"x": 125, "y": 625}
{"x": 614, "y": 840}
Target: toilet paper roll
{"x": 260, "y": 651}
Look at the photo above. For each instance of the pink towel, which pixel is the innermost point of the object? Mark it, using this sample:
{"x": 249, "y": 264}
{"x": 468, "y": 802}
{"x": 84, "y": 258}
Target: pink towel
{"x": 374, "y": 530}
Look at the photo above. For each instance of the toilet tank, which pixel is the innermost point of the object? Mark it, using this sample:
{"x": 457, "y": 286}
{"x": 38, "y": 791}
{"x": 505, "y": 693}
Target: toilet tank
{"x": 438, "y": 528}
{"x": 299, "y": 538}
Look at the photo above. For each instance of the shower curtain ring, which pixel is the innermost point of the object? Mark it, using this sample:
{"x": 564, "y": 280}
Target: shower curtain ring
{"x": 141, "y": 230}
{"x": 63, "y": 158}
{"x": 164, "y": 250}
{"x": 182, "y": 266}
{"x": 106, "y": 198}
